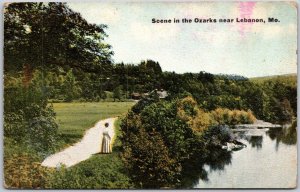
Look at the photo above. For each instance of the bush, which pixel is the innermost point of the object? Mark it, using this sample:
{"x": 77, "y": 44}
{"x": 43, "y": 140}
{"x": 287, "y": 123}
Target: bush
{"x": 99, "y": 172}
{"x": 189, "y": 111}
{"x": 217, "y": 135}
{"x": 159, "y": 138}
{"x": 217, "y": 116}
{"x": 23, "y": 171}
{"x": 176, "y": 133}
{"x": 28, "y": 119}
{"x": 223, "y": 116}
{"x": 149, "y": 162}
{"x": 42, "y": 134}
{"x": 14, "y": 126}
{"x": 250, "y": 116}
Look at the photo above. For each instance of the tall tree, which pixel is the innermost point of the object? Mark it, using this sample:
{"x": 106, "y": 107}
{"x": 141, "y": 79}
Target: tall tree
{"x": 51, "y": 35}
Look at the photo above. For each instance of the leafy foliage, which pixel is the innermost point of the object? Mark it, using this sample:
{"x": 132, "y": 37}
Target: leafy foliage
{"x": 28, "y": 118}
{"x": 99, "y": 172}
{"x": 65, "y": 40}
{"x": 162, "y": 139}
{"x": 149, "y": 161}
{"x": 232, "y": 117}
{"x": 42, "y": 133}
{"x": 190, "y": 112}
{"x": 117, "y": 94}
{"x": 22, "y": 170}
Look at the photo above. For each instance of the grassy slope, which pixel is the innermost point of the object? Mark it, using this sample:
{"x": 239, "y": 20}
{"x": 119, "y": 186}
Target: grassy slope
{"x": 290, "y": 79}
{"x": 74, "y": 118}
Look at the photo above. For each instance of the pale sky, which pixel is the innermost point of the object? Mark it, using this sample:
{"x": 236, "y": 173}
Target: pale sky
{"x": 248, "y": 49}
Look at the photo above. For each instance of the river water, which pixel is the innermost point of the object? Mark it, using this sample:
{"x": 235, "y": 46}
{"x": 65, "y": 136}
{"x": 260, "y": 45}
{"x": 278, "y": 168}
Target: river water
{"x": 268, "y": 161}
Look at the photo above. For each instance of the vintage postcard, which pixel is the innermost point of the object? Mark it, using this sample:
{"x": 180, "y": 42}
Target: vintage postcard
{"x": 150, "y": 95}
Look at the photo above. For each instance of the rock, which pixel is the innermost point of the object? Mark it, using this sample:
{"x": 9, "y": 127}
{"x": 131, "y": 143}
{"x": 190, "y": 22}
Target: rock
{"x": 234, "y": 146}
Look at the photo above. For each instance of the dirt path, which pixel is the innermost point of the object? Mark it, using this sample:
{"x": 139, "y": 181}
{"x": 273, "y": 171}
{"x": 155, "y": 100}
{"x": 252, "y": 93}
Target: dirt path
{"x": 89, "y": 145}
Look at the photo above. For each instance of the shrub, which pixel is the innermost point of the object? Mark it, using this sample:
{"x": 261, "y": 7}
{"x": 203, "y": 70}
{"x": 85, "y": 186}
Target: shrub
{"x": 99, "y": 172}
{"x": 251, "y": 117}
{"x": 23, "y": 171}
{"x": 14, "y": 126}
{"x": 28, "y": 118}
{"x": 216, "y": 135}
{"x": 42, "y": 134}
{"x": 201, "y": 121}
{"x": 217, "y": 116}
{"x": 225, "y": 116}
{"x": 176, "y": 133}
{"x": 188, "y": 110}
{"x": 149, "y": 161}
{"x": 159, "y": 138}
{"x": 235, "y": 117}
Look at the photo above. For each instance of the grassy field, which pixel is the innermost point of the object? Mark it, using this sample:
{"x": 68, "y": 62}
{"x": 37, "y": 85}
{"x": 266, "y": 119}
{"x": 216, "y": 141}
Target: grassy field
{"x": 74, "y": 118}
{"x": 101, "y": 171}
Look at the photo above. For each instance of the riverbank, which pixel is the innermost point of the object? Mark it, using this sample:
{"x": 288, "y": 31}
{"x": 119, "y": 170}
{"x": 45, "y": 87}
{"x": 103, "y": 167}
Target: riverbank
{"x": 258, "y": 124}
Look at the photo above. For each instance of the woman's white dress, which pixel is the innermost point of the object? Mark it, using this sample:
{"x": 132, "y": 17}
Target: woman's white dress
{"x": 106, "y": 148}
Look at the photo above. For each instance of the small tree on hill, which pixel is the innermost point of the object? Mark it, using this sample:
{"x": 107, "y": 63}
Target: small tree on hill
{"x": 117, "y": 93}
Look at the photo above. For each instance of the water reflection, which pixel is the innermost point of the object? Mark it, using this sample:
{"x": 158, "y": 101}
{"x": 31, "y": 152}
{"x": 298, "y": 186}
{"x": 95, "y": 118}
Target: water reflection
{"x": 256, "y": 141}
{"x": 223, "y": 168}
{"x": 217, "y": 160}
{"x": 286, "y": 135}
{"x": 253, "y": 137}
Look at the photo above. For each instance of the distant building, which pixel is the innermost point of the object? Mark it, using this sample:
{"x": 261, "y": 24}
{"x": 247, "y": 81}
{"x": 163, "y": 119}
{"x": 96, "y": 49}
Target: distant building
{"x": 161, "y": 94}
{"x": 136, "y": 96}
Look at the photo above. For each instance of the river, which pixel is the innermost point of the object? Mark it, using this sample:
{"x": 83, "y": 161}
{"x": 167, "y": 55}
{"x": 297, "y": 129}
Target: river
{"x": 268, "y": 161}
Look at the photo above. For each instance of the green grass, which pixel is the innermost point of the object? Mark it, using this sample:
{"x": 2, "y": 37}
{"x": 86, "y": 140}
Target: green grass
{"x": 115, "y": 140}
{"x": 101, "y": 171}
{"x": 74, "y": 118}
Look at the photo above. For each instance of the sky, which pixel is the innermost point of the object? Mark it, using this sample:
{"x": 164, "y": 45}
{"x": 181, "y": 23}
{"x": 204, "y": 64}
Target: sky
{"x": 248, "y": 49}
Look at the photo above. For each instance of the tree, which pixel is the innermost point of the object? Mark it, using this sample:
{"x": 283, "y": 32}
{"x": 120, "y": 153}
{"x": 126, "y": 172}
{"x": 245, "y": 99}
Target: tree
{"x": 70, "y": 88}
{"x": 117, "y": 93}
{"x": 51, "y": 36}
{"x": 149, "y": 162}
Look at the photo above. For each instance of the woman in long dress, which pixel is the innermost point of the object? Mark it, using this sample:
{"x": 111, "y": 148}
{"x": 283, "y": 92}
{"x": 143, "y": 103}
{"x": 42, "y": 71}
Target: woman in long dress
{"x": 106, "y": 148}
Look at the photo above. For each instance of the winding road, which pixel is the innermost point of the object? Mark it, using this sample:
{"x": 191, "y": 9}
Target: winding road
{"x": 90, "y": 144}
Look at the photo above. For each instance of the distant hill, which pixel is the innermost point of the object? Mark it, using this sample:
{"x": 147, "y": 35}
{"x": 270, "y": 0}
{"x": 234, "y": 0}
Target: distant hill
{"x": 287, "y": 79}
{"x": 232, "y": 77}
